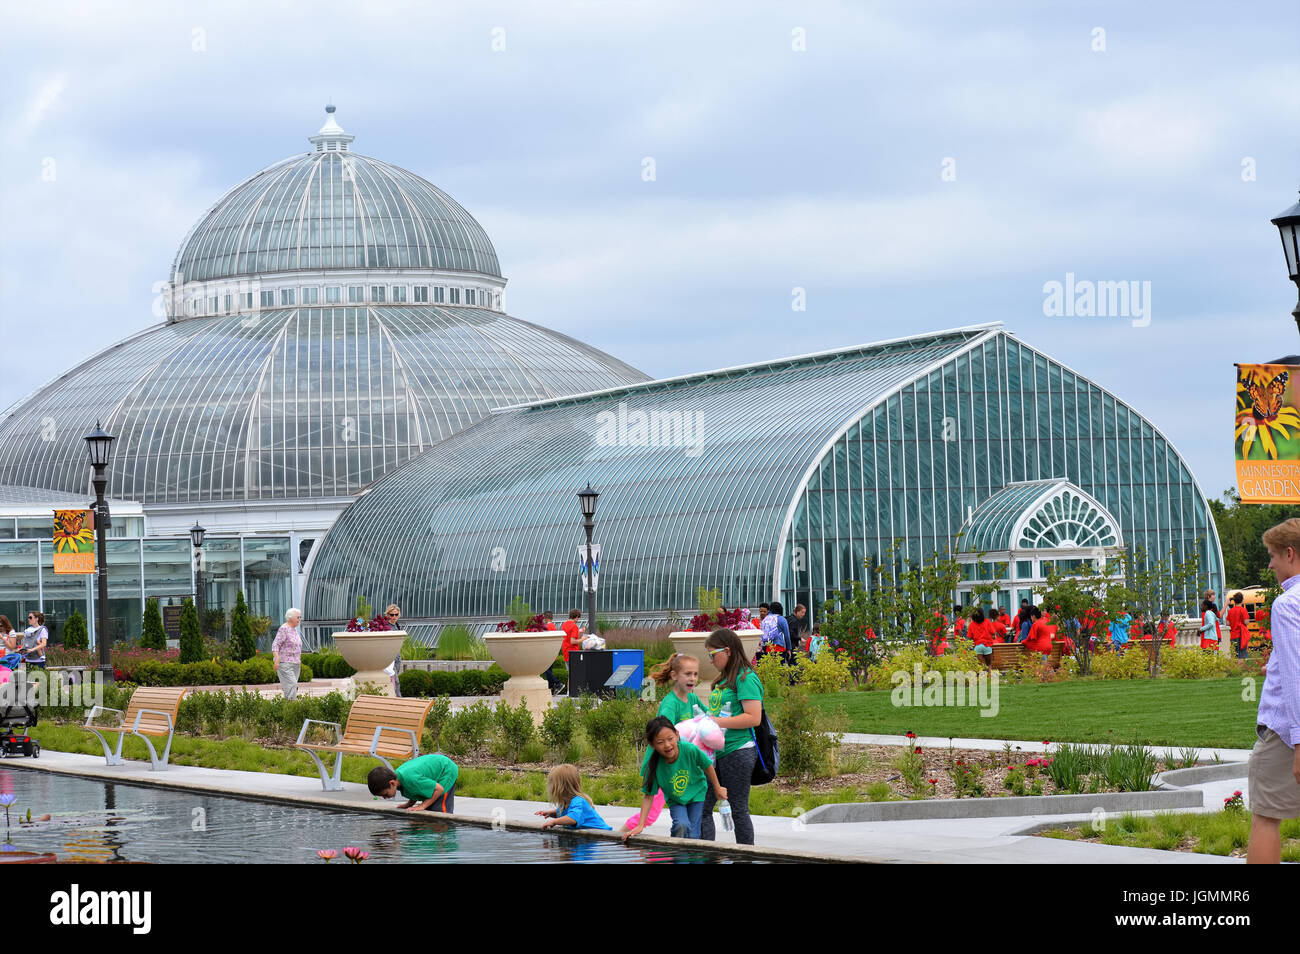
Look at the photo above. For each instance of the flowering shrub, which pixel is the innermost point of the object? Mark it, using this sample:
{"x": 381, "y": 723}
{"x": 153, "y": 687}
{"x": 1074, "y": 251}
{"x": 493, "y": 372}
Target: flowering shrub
{"x": 911, "y": 766}
{"x": 1189, "y": 662}
{"x": 1233, "y": 803}
{"x": 1122, "y": 665}
{"x": 880, "y": 675}
{"x": 722, "y": 619}
{"x": 827, "y": 673}
{"x": 968, "y": 778}
{"x": 535, "y": 625}
{"x": 378, "y": 624}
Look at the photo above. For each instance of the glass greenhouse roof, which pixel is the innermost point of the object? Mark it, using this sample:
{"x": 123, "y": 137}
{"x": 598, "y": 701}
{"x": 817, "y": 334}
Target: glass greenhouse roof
{"x": 287, "y": 403}
{"x": 696, "y": 474}
{"x": 330, "y": 210}
{"x": 1039, "y": 513}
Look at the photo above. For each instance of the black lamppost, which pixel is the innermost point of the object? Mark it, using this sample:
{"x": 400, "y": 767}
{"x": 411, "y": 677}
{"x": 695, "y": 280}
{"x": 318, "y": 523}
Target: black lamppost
{"x": 588, "y": 500}
{"x": 196, "y": 537}
{"x": 99, "y": 445}
{"x": 1288, "y": 223}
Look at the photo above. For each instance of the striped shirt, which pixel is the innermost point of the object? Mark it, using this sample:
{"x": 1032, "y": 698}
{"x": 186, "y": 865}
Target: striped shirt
{"x": 1279, "y": 703}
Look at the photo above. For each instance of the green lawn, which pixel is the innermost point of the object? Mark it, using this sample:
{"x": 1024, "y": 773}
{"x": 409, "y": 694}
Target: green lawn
{"x": 1183, "y": 712}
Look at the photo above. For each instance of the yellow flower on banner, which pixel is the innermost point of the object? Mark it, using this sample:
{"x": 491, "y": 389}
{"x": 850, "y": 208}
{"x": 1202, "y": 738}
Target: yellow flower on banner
{"x": 1261, "y": 411}
{"x": 69, "y": 534}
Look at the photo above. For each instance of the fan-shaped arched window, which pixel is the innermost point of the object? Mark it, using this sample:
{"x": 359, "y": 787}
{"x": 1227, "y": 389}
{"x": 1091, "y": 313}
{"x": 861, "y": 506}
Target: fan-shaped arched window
{"x": 1067, "y": 520}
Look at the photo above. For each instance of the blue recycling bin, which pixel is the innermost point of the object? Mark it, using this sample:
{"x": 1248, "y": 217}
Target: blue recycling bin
{"x": 630, "y": 657}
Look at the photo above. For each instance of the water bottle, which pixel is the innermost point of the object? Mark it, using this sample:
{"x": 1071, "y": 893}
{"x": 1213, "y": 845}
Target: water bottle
{"x": 724, "y": 809}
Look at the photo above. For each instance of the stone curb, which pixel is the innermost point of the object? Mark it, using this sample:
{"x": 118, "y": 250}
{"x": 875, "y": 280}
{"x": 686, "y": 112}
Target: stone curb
{"x": 1181, "y": 778}
{"x": 924, "y": 809}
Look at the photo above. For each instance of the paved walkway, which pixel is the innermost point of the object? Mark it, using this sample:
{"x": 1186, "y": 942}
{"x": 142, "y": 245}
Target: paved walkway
{"x": 1035, "y": 747}
{"x": 976, "y": 840}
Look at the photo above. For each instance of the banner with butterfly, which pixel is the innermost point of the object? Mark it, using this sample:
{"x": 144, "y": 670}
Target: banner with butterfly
{"x": 1268, "y": 433}
{"x": 74, "y": 541}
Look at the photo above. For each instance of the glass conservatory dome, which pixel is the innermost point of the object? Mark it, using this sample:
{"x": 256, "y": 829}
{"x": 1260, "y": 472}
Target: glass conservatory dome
{"x": 328, "y": 319}
{"x": 333, "y": 208}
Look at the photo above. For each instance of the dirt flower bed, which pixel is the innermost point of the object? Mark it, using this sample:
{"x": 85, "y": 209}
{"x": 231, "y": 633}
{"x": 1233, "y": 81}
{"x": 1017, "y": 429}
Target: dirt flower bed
{"x": 866, "y": 768}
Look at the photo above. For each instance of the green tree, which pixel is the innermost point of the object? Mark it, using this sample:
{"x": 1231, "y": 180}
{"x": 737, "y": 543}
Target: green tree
{"x": 152, "y": 635}
{"x": 75, "y": 635}
{"x": 243, "y": 645}
{"x": 1240, "y": 526}
{"x": 191, "y": 636}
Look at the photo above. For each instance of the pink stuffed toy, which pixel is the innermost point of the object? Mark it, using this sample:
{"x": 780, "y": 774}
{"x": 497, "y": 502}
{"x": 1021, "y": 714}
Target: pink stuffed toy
{"x": 656, "y": 807}
{"x": 703, "y": 733}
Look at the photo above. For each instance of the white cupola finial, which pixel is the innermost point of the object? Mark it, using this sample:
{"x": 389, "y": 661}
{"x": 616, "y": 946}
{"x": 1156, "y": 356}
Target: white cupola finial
{"x": 331, "y": 137}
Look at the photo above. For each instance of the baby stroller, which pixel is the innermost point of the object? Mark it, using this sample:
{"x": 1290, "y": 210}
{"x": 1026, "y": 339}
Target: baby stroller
{"x": 15, "y": 717}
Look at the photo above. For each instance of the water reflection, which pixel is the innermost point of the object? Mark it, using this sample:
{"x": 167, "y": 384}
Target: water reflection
{"x": 140, "y": 824}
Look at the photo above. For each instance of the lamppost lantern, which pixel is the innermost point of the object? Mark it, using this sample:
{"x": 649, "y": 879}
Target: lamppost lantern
{"x": 99, "y": 445}
{"x": 588, "y": 500}
{"x": 196, "y": 537}
{"x": 1288, "y": 223}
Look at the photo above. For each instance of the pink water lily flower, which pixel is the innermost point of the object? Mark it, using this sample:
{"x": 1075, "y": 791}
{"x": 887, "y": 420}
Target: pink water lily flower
{"x": 325, "y": 854}
{"x": 355, "y": 855}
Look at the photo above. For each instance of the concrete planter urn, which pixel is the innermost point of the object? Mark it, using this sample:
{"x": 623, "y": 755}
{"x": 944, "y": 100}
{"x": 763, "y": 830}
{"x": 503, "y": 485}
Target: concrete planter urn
{"x": 370, "y": 654}
{"x": 692, "y": 644}
{"x": 525, "y": 656}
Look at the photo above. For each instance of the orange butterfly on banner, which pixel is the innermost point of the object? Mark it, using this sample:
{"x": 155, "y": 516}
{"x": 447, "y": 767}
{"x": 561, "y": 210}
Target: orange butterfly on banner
{"x": 1267, "y": 433}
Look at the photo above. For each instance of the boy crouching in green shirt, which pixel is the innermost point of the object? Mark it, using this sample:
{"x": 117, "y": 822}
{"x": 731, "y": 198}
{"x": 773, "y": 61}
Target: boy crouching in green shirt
{"x": 428, "y": 782}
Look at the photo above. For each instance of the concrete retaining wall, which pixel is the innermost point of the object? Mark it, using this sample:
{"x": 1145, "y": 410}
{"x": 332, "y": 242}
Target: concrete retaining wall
{"x": 1181, "y": 778}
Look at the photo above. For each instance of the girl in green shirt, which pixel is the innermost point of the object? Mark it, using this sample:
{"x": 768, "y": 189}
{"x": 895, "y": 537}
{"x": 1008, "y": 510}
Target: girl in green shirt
{"x": 681, "y": 703}
{"x": 736, "y": 704}
{"x": 683, "y": 772}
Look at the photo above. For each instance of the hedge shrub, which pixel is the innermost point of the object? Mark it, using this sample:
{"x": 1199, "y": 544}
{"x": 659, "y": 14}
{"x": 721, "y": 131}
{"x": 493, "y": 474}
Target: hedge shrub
{"x": 253, "y": 672}
{"x": 328, "y": 665}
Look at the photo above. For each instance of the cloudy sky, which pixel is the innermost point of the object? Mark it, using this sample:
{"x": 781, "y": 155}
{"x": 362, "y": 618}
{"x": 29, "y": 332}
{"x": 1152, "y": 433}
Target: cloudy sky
{"x": 910, "y": 165}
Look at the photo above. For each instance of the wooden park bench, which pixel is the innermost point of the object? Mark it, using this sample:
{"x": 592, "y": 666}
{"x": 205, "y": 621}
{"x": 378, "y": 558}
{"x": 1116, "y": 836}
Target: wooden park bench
{"x": 152, "y": 712}
{"x": 379, "y": 726}
{"x": 1006, "y": 655}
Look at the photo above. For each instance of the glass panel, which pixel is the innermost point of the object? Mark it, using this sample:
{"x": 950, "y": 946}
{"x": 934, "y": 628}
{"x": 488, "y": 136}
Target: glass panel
{"x": 267, "y": 576}
{"x": 220, "y": 582}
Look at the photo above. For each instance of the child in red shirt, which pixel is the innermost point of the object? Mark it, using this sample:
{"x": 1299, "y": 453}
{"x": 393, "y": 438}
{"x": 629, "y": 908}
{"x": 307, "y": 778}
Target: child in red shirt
{"x": 1040, "y": 633}
{"x": 572, "y": 635}
{"x": 1239, "y": 625}
{"x": 1166, "y": 630}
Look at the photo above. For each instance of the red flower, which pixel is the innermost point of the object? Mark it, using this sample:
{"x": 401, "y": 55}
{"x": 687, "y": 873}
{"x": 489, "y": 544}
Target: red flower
{"x": 917, "y": 750}
{"x": 934, "y": 781}
{"x": 911, "y": 735}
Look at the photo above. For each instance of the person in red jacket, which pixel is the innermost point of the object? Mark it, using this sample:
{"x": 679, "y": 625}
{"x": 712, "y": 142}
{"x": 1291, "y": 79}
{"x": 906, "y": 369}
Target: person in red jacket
{"x": 998, "y": 625}
{"x": 958, "y": 623}
{"x": 1239, "y": 625}
{"x": 572, "y": 634}
{"x": 1166, "y": 630}
{"x": 981, "y": 633}
{"x": 1040, "y": 633}
{"x": 938, "y": 634}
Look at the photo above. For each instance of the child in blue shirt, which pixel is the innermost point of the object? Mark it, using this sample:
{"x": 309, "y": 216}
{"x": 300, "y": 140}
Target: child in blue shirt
{"x": 572, "y": 808}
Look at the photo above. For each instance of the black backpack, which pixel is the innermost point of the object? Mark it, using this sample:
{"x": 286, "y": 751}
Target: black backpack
{"x": 769, "y": 752}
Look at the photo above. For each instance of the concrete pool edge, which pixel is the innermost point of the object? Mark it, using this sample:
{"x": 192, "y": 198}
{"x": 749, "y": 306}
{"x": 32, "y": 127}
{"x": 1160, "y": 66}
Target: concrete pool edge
{"x": 131, "y": 774}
